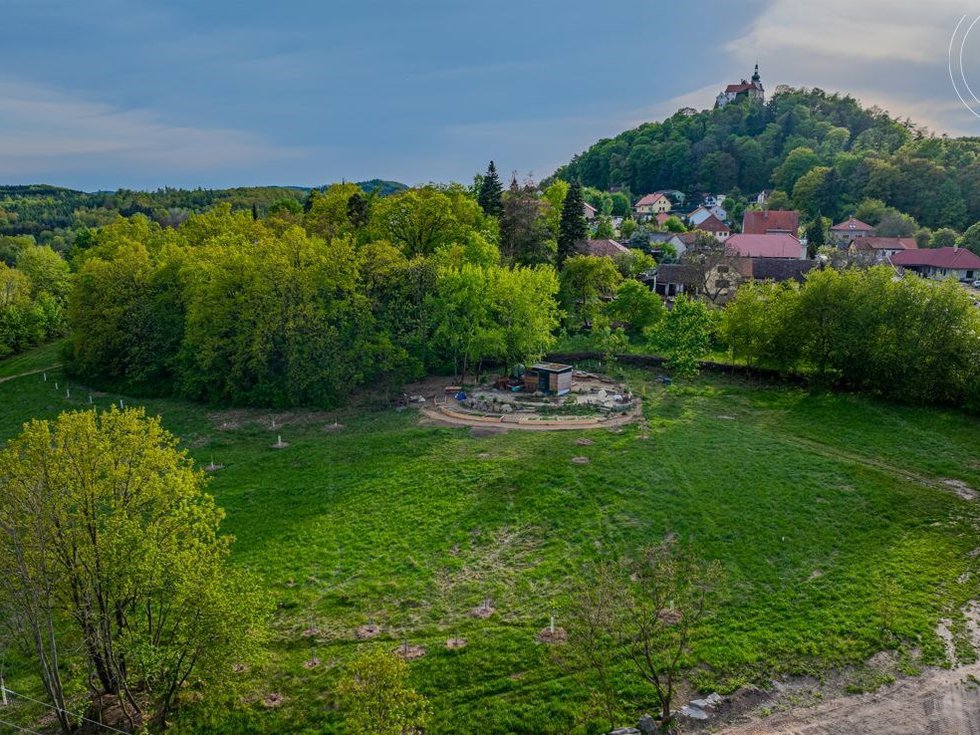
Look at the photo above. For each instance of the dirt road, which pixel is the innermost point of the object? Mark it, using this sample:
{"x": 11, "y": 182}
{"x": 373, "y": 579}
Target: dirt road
{"x": 936, "y": 703}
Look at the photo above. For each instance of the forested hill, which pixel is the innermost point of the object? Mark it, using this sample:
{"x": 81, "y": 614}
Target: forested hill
{"x": 52, "y": 215}
{"x": 825, "y": 151}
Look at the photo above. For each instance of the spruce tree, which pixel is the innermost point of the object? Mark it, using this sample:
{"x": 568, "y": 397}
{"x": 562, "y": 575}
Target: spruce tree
{"x": 572, "y": 229}
{"x": 491, "y": 192}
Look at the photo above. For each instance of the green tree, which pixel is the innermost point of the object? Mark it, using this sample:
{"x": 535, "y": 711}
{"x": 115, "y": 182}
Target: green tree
{"x": 491, "y": 191}
{"x": 572, "y": 230}
{"x": 944, "y": 238}
{"x": 131, "y": 562}
{"x": 674, "y": 224}
{"x": 604, "y": 228}
{"x": 47, "y": 270}
{"x": 377, "y": 699}
{"x": 799, "y": 161}
{"x": 585, "y": 281}
{"x": 684, "y": 337}
{"x": 971, "y": 239}
{"x": 635, "y": 306}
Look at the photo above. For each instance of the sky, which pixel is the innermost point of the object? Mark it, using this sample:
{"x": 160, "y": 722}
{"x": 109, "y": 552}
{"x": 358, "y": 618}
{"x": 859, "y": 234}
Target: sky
{"x": 104, "y": 94}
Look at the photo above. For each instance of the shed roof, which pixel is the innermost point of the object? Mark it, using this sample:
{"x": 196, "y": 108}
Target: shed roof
{"x": 552, "y": 367}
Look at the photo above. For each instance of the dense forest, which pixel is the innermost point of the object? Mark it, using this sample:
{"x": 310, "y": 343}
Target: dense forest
{"x": 823, "y": 154}
{"x": 55, "y": 216}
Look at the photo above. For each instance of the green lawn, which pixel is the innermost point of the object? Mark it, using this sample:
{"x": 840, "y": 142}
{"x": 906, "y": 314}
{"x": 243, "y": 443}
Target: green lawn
{"x": 823, "y": 510}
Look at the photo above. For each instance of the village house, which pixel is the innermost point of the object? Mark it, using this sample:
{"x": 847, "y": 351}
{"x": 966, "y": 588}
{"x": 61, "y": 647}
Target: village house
{"x": 715, "y": 227}
{"x": 777, "y": 245}
{"x": 651, "y": 205}
{"x": 939, "y": 263}
{"x": 875, "y": 250}
{"x": 662, "y": 218}
{"x": 588, "y": 211}
{"x": 770, "y": 222}
{"x": 702, "y": 213}
{"x": 843, "y": 232}
{"x": 605, "y": 248}
{"x": 751, "y": 90}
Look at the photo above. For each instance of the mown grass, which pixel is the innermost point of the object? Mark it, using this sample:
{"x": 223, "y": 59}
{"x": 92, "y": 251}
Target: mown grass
{"x": 37, "y": 359}
{"x": 832, "y": 546}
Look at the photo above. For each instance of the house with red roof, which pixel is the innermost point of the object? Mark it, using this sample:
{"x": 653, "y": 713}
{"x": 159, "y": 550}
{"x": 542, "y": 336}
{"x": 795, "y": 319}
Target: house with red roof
{"x": 851, "y": 228}
{"x": 605, "y": 248}
{"x": 878, "y": 249}
{"x": 770, "y": 222}
{"x": 716, "y": 227}
{"x": 940, "y": 263}
{"x": 776, "y": 245}
{"x": 651, "y": 205}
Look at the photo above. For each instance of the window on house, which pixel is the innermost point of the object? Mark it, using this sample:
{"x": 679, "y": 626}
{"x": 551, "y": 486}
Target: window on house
{"x": 723, "y": 269}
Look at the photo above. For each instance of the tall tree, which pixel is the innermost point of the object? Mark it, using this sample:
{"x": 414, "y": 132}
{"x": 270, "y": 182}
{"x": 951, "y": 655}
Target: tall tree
{"x": 106, "y": 533}
{"x": 572, "y": 229}
{"x": 491, "y": 191}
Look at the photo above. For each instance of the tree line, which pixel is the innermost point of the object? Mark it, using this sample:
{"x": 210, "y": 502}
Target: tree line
{"x": 909, "y": 339}
{"x": 306, "y": 304}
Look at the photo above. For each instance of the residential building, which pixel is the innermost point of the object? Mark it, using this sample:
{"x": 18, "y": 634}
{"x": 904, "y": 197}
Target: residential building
{"x": 940, "y": 263}
{"x": 702, "y": 213}
{"x": 776, "y": 245}
{"x": 651, "y": 205}
{"x": 876, "y": 250}
{"x": 770, "y": 222}
{"x": 605, "y": 248}
{"x": 588, "y": 211}
{"x": 843, "y": 232}
{"x": 715, "y": 227}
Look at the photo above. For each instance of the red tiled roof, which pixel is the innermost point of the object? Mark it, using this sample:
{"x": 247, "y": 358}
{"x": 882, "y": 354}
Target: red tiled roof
{"x": 756, "y": 222}
{"x": 765, "y": 246}
{"x": 608, "y": 248}
{"x": 952, "y": 258}
{"x": 740, "y": 87}
{"x": 852, "y": 225}
{"x": 662, "y": 217}
{"x": 885, "y": 243}
{"x": 650, "y": 198}
{"x": 713, "y": 224}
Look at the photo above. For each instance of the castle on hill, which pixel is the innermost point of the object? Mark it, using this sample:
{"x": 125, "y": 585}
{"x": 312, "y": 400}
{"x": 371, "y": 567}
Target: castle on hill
{"x": 751, "y": 90}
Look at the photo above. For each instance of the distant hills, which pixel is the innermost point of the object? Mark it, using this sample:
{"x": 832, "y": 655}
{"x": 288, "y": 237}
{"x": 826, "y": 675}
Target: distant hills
{"x": 51, "y": 213}
{"x": 824, "y": 153}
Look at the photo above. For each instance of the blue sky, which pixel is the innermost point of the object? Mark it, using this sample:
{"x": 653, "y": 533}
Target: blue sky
{"x": 131, "y": 93}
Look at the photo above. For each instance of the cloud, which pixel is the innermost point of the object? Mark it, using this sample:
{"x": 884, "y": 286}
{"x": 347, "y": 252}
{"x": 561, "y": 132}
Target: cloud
{"x": 47, "y": 131}
{"x": 849, "y": 30}
{"x": 889, "y": 54}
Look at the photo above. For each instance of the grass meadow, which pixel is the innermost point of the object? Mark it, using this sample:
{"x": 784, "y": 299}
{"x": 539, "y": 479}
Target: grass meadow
{"x": 828, "y": 513}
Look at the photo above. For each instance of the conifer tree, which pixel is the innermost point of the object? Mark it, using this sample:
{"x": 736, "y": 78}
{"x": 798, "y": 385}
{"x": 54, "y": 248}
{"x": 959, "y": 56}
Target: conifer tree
{"x": 491, "y": 192}
{"x": 572, "y": 229}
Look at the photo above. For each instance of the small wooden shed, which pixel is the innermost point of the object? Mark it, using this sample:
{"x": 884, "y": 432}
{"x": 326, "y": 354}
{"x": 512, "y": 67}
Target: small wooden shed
{"x": 549, "y": 377}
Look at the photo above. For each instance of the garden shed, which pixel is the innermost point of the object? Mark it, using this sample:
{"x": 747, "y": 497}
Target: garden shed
{"x": 549, "y": 377}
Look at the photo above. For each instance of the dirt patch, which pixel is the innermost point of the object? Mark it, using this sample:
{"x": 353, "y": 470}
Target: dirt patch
{"x": 483, "y": 611}
{"x": 584, "y": 442}
{"x": 366, "y": 632}
{"x": 454, "y": 644}
{"x": 552, "y": 636}
{"x": 311, "y": 663}
{"x": 273, "y": 700}
{"x": 580, "y": 460}
{"x": 409, "y": 653}
{"x": 239, "y": 668}
{"x": 960, "y": 488}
